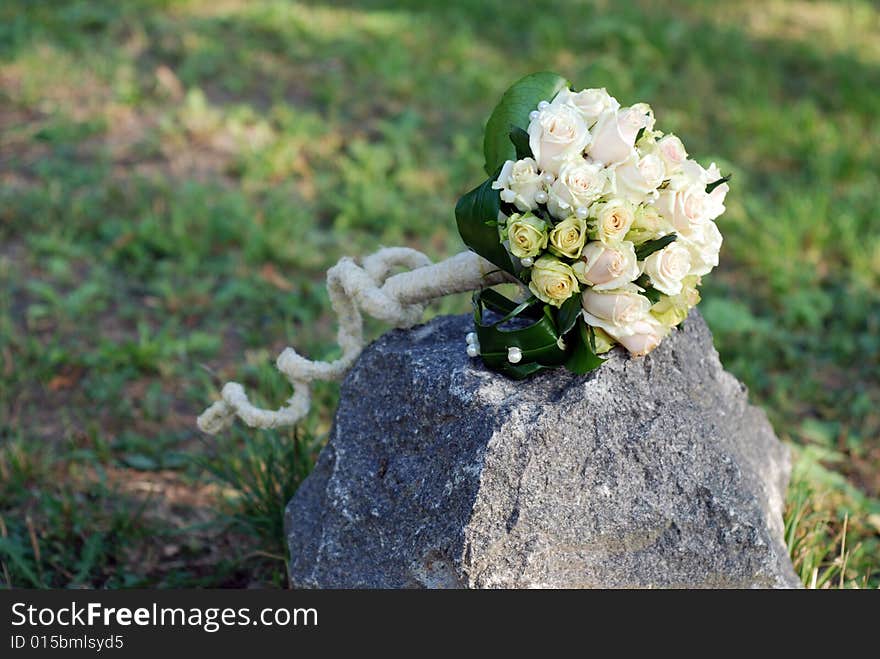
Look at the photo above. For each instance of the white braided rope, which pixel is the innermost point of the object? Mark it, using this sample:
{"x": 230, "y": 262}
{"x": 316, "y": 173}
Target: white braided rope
{"x": 396, "y": 299}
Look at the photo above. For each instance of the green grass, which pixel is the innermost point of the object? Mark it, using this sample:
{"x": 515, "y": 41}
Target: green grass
{"x": 175, "y": 177}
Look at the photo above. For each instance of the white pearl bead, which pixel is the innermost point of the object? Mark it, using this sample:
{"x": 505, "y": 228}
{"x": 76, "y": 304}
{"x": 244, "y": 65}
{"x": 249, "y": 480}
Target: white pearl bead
{"x": 548, "y": 178}
{"x": 473, "y": 351}
{"x": 541, "y": 197}
{"x": 543, "y": 105}
{"x": 471, "y": 337}
{"x": 514, "y": 355}
{"x": 581, "y": 212}
{"x": 527, "y": 262}
{"x": 534, "y": 114}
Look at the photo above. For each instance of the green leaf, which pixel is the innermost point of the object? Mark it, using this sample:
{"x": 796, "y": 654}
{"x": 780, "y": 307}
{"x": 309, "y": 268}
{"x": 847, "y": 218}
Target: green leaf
{"x": 472, "y": 211}
{"x": 583, "y": 358}
{"x": 649, "y": 292}
{"x": 513, "y": 110}
{"x": 517, "y": 310}
{"x": 715, "y": 184}
{"x": 522, "y": 371}
{"x": 520, "y": 140}
{"x": 568, "y": 314}
{"x": 645, "y": 250}
{"x": 12, "y": 552}
{"x": 140, "y": 461}
{"x": 539, "y": 342}
{"x": 652, "y": 294}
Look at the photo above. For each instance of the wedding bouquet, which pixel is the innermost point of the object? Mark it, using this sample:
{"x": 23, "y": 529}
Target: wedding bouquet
{"x": 601, "y": 215}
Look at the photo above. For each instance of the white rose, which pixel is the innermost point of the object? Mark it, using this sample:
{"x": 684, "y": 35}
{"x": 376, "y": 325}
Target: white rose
{"x": 668, "y": 266}
{"x": 614, "y": 135}
{"x": 671, "y": 150}
{"x": 703, "y": 244}
{"x": 717, "y": 196}
{"x": 591, "y": 103}
{"x": 519, "y": 182}
{"x": 557, "y": 134}
{"x": 636, "y": 178}
{"x": 605, "y": 267}
{"x": 614, "y": 311}
{"x": 579, "y": 184}
{"x": 611, "y": 222}
{"x": 685, "y": 207}
{"x": 648, "y": 111}
{"x": 645, "y": 335}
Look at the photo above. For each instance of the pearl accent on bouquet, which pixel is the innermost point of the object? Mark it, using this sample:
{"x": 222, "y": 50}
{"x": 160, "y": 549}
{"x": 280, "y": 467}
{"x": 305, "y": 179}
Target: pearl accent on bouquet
{"x": 543, "y": 105}
{"x": 541, "y": 197}
{"x": 534, "y": 115}
{"x": 527, "y": 262}
{"x": 514, "y": 355}
{"x": 473, "y": 350}
{"x": 582, "y": 213}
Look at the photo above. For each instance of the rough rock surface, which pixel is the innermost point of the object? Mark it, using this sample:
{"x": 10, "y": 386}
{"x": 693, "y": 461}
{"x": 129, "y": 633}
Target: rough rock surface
{"x": 652, "y": 472}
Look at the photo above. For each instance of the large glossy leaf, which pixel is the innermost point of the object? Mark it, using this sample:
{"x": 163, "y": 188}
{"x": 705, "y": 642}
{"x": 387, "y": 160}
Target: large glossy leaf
{"x": 513, "y": 110}
{"x": 582, "y": 359}
{"x": 472, "y": 213}
{"x": 568, "y": 314}
{"x": 501, "y": 305}
{"x": 538, "y": 341}
{"x": 520, "y": 140}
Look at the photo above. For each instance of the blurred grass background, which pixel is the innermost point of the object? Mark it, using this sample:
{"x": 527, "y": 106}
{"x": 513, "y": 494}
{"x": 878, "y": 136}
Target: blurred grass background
{"x": 176, "y": 176}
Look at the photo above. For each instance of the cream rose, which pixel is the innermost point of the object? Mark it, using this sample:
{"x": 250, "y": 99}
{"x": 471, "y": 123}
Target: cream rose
{"x": 614, "y": 311}
{"x": 672, "y": 152}
{"x": 553, "y": 281}
{"x": 568, "y": 237}
{"x": 591, "y": 103}
{"x": 615, "y": 134}
{"x": 579, "y": 184}
{"x": 605, "y": 267}
{"x": 519, "y": 182}
{"x": 557, "y": 134}
{"x": 611, "y": 222}
{"x": 526, "y": 235}
{"x": 667, "y": 267}
{"x": 703, "y": 244}
{"x": 637, "y": 178}
{"x": 715, "y": 206}
{"x": 685, "y": 207}
{"x": 646, "y": 335}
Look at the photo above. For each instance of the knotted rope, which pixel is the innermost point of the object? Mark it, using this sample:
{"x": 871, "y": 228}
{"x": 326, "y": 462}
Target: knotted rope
{"x": 398, "y": 300}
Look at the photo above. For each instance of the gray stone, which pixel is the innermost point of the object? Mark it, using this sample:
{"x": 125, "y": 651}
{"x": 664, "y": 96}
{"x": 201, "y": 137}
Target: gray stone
{"x": 651, "y": 472}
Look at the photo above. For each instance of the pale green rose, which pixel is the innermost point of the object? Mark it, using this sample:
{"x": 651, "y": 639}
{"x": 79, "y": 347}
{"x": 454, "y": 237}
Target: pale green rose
{"x": 647, "y": 225}
{"x": 553, "y": 281}
{"x": 611, "y": 221}
{"x": 527, "y": 235}
{"x": 670, "y": 310}
{"x": 567, "y": 238}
